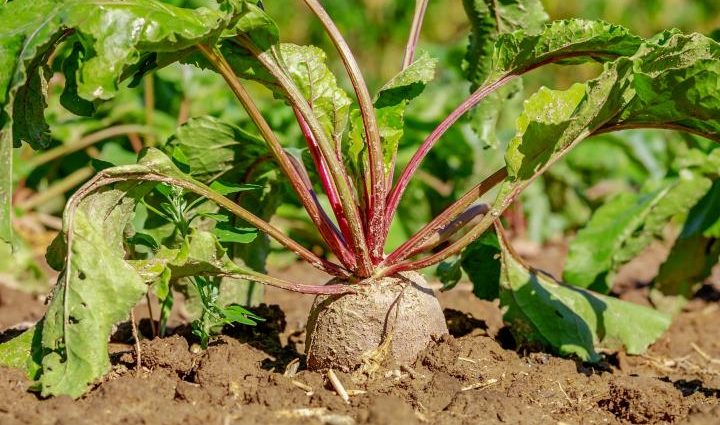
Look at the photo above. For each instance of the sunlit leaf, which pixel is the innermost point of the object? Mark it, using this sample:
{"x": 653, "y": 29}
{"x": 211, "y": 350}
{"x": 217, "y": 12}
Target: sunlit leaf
{"x": 570, "y": 320}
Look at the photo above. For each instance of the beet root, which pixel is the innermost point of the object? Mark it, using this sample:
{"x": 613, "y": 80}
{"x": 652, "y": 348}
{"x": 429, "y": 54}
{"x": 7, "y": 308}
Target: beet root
{"x": 343, "y": 330}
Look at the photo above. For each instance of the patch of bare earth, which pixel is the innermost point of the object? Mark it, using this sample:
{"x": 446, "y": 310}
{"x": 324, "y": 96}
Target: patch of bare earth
{"x": 257, "y": 376}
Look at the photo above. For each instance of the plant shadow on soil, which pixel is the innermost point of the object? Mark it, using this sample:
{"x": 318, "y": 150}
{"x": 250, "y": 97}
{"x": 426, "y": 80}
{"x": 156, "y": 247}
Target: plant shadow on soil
{"x": 476, "y": 375}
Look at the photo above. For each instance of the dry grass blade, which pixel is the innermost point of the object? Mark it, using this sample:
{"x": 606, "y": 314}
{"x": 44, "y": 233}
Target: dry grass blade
{"x": 339, "y": 388}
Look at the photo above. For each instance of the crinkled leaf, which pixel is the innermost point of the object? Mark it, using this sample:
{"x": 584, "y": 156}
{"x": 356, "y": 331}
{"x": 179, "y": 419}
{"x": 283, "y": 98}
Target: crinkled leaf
{"x": 676, "y": 82}
{"x": 566, "y": 41}
{"x": 625, "y": 225}
{"x": 570, "y": 320}
{"x": 96, "y": 289}
{"x": 70, "y": 98}
{"x": 28, "y": 122}
{"x": 553, "y": 122}
{"x": 211, "y": 149}
{"x": 330, "y": 104}
{"x": 547, "y": 116}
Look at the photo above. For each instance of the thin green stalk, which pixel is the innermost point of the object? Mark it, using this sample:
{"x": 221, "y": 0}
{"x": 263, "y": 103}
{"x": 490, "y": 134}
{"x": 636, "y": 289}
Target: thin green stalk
{"x": 57, "y": 189}
{"x": 414, "y": 37}
{"x": 87, "y": 141}
{"x": 378, "y": 185}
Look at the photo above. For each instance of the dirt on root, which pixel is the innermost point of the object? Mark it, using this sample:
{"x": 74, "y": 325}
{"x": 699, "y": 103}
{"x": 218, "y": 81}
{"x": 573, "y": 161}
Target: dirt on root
{"x": 473, "y": 376}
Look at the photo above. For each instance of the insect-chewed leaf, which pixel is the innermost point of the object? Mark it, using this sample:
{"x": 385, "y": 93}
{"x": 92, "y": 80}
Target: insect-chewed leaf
{"x": 96, "y": 289}
{"x": 624, "y": 226}
{"x": 570, "y": 320}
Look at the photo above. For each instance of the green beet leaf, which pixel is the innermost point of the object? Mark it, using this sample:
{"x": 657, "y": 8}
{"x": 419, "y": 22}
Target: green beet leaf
{"x": 96, "y": 289}
{"x": 390, "y": 103}
{"x": 308, "y": 70}
{"x": 566, "y": 41}
{"x": 694, "y": 254}
{"x": 569, "y": 320}
{"x": 621, "y": 97}
{"x": 624, "y": 226}
{"x": 212, "y": 149}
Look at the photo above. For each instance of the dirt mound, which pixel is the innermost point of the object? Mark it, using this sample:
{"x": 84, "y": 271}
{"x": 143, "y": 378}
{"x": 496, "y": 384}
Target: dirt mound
{"x": 257, "y": 376}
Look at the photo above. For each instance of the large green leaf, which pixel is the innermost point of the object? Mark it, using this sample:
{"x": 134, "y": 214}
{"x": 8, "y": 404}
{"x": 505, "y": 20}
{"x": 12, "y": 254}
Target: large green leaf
{"x": 570, "y": 320}
{"x": 114, "y": 36}
{"x": 624, "y": 226}
{"x": 553, "y": 122}
{"x": 566, "y": 41}
{"x": 96, "y": 289}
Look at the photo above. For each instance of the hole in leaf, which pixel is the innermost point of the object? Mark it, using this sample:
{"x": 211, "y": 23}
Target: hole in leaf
{"x": 81, "y": 276}
{"x": 73, "y": 320}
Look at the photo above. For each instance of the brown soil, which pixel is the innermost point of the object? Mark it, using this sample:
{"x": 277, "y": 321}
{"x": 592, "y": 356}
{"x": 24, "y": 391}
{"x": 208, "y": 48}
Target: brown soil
{"x": 472, "y": 377}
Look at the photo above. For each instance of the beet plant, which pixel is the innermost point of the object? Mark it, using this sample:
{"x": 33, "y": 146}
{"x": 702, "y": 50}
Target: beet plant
{"x": 376, "y": 305}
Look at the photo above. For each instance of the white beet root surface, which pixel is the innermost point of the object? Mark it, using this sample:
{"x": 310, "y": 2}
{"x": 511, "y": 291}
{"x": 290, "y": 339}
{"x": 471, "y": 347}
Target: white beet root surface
{"x": 343, "y": 329}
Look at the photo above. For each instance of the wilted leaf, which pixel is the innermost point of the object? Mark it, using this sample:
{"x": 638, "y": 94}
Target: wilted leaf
{"x": 96, "y": 289}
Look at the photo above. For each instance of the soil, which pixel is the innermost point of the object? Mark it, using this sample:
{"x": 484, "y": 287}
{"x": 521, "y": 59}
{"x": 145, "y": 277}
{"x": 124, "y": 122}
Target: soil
{"x": 473, "y": 376}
